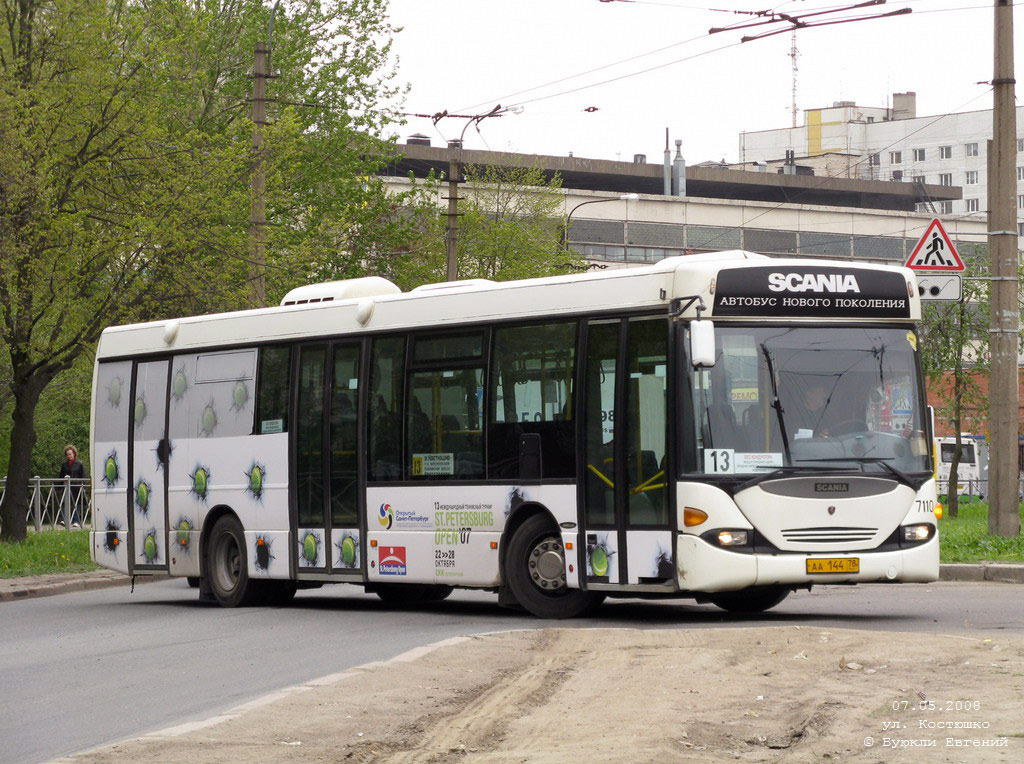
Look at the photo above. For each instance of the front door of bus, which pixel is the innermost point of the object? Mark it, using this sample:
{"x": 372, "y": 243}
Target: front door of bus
{"x": 326, "y": 447}
{"x": 147, "y": 469}
{"x": 626, "y": 521}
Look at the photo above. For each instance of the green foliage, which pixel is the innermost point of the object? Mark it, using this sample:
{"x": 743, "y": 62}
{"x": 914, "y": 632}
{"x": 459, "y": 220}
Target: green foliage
{"x": 965, "y": 538}
{"x": 126, "y": 159}
{"x": 510, "y": 226}
{"x": 46, "y": 552}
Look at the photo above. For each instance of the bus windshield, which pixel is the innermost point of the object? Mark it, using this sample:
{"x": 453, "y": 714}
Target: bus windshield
{"x": 819, "y": 397}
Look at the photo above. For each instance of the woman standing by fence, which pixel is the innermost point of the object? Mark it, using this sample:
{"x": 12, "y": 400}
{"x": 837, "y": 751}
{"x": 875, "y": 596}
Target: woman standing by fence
{"x": 73, "y": 469}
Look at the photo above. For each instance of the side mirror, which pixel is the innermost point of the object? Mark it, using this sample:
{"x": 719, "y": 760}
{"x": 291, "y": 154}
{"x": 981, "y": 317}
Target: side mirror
{"x": 702, "y": 343}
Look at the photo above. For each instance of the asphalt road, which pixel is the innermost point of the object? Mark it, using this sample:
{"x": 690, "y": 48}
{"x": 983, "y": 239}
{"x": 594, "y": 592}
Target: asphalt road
{"x": 87, "y": 668}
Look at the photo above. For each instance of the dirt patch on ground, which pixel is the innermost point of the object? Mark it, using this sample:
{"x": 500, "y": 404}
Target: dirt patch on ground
{"x": 778, "y": 694}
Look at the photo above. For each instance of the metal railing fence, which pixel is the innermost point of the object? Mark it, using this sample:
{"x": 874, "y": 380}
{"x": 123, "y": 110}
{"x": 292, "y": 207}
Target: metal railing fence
{"x": 972, "y": 488}
{"x": 56, "y": 501}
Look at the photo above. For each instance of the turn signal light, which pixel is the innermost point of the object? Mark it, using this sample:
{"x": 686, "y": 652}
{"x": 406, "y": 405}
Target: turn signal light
{"x": 692, "y": 517}
{"x": 938, "y": 511}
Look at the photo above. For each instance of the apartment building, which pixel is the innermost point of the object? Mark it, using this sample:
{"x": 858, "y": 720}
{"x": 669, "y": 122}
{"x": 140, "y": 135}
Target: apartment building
{"x": 894, "y": 144}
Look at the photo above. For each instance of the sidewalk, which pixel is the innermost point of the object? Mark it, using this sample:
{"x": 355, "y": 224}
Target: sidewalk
{"x": 44, "y": 586}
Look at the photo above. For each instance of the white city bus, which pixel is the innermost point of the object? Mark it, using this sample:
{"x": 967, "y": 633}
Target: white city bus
{"x": 555, "y": 441}
{"x": 971, "y": 472}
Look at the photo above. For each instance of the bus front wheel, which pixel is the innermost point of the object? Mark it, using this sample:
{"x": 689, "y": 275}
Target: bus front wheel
{"x": 535, "y": 570}
{"x": 228, "y": 568}
{"x": 753, "y": 600}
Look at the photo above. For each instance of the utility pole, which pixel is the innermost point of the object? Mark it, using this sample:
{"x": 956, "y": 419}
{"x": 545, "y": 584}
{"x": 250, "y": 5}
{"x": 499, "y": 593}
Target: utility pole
{"x": 261, "y": 72}
{"x": 454, "y": 176}
{"x": 1004, "y": 392}
{"x": 454, "y": 179}
{"x": 258, "y": 222}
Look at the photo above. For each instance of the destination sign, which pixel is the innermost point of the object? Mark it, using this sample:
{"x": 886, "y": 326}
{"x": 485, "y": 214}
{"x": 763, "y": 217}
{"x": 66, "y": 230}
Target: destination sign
{"x": 811, "y": 291}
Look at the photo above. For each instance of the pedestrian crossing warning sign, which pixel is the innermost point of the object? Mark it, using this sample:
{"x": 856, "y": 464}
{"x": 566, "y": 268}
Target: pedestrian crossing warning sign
{"x": 935, "y": 251}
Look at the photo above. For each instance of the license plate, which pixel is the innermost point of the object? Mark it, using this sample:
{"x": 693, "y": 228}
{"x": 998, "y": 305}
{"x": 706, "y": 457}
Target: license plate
{"x": 833, "y": 565}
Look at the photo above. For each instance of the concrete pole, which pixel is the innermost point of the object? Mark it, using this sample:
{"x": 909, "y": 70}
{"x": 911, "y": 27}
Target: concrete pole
{"x": 454, "y": 164}
{"x": 258, "y": 222}
{"x": 1004, "y": 393}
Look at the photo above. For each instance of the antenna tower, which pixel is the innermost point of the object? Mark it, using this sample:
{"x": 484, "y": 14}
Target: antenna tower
{"x": 793, "y": 53}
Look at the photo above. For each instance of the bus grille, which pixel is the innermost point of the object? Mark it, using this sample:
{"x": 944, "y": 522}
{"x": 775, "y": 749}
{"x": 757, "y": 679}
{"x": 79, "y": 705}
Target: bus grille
{"x": 828, "y": 535}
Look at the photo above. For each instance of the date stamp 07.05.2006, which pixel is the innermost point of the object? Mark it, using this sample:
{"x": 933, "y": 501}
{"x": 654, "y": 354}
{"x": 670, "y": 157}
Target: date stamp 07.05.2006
{"x": 924, "y": 723}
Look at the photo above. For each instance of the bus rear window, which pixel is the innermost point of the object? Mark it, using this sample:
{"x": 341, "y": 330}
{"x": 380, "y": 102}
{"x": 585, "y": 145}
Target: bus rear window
{"x": 948, "y": 450}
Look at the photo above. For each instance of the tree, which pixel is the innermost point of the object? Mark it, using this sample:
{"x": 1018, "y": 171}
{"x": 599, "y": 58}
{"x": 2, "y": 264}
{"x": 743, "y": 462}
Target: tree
{"x": 125, "y": 156}
{"x": 954, "y": 350}
{"x": 510, "y": 227}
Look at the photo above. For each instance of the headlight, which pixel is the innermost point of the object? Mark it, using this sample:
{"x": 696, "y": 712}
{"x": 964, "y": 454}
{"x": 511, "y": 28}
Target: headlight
{"x": 916, "y": 534}
{"x": 732, "y": 538}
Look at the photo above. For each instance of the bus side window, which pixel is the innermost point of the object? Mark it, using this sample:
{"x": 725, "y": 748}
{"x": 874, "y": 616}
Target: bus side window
{"x": 387, "y": 374}
{"x": 531, "y": 392}
{"x": 272, "y": 389}
{"x": 444, "y": 438}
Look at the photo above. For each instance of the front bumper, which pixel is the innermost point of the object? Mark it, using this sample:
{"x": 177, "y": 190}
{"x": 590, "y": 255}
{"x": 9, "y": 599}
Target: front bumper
{"x": 702, "y": 567}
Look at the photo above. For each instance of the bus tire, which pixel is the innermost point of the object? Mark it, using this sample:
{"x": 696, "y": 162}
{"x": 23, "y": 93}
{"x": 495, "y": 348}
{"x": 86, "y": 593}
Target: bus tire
{"x": 535, "y": 571}
{"x": 753, "y": 600}
{"x": 411, "y": 594}
{"x": 227, "y": 566}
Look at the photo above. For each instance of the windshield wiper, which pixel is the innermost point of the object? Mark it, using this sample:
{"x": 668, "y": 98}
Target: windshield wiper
{"x": 900, "y": 475}
{"x": 790, "y": 470}
{"x": 776, "y": 403}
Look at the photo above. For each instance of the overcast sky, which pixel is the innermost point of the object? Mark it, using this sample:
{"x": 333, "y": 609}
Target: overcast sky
{"x": 465, "y": 56}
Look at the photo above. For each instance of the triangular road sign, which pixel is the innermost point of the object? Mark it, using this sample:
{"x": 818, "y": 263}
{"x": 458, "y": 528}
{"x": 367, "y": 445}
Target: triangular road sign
{"x": 935, "y": 251}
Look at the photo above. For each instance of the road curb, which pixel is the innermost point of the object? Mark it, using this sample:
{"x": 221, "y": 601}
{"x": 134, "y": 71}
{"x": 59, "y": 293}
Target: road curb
{"x": 1001, "y": 572}
{"x": 30, "y": 587}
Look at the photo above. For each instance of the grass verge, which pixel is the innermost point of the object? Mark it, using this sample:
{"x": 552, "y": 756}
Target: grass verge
{"x": 46, "y": 552}
{"x": 965, "y": 538}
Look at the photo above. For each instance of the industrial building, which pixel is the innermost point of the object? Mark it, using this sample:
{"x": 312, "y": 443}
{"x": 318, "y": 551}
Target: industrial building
{"x": 707, "y": 208}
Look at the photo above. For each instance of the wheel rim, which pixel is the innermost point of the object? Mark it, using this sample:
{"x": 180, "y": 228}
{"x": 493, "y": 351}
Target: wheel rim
{"x": 546, "y": 565}
{"x": 227, "y": 568}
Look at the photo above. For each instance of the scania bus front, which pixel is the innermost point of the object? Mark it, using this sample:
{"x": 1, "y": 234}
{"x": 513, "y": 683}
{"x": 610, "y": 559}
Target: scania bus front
{"x": 808, "y": 456}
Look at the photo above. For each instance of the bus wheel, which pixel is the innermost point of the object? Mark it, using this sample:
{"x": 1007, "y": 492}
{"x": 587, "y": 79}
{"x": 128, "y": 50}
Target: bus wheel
{"x": 752, "y": 600}
{"x": 410, "y": 594}
{"x": 227, "y": 566}
{"x": 535, "y": 571}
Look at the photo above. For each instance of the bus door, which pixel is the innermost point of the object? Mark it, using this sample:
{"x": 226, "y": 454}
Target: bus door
{"x": 625, "y": 514}
{"x": 147, "y": 467}
{"x": 325, "y": 523}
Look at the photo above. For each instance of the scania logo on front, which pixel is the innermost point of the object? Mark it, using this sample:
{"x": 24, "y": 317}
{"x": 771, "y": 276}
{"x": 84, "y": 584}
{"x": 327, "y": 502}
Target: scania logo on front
{"x": 813, "y": 282}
